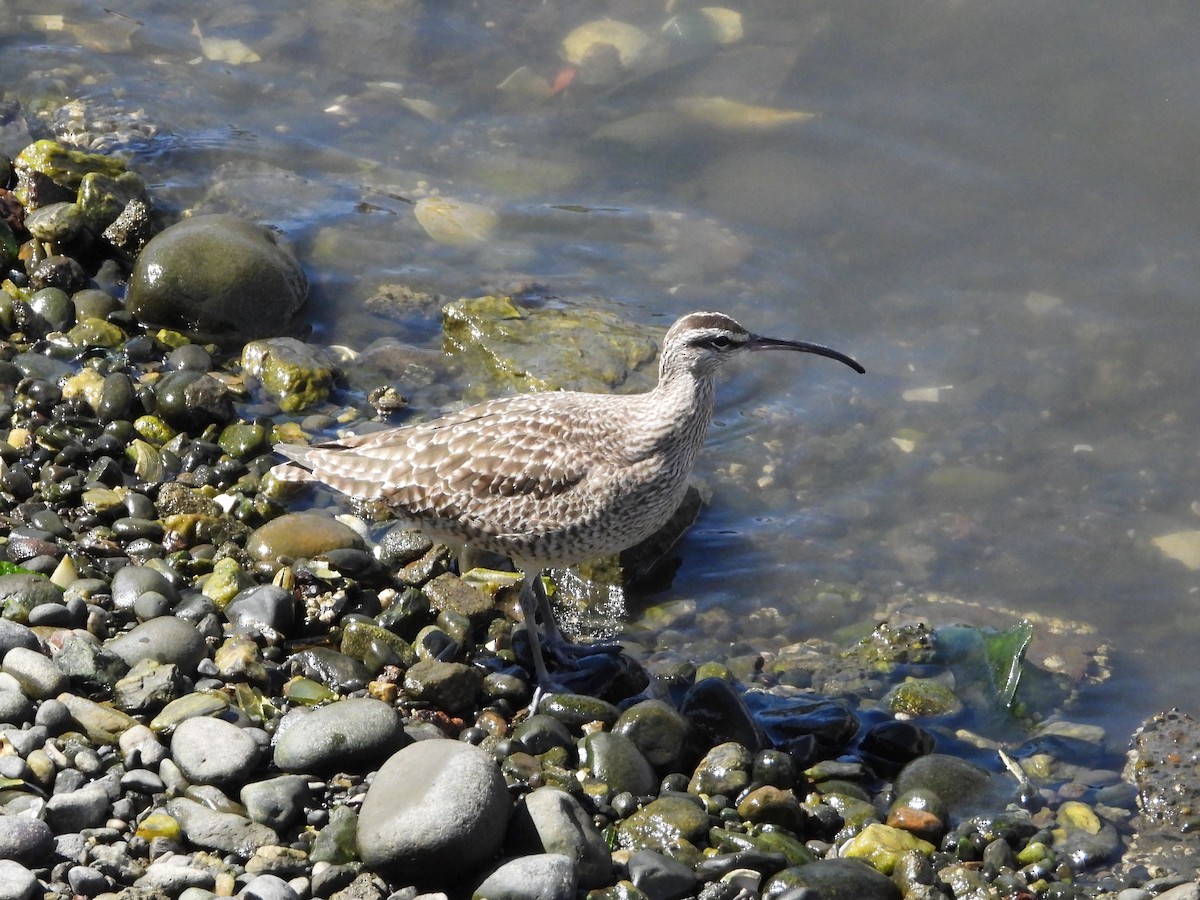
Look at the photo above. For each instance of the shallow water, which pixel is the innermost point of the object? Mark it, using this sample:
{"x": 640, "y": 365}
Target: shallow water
{"x": 994, "y": 210}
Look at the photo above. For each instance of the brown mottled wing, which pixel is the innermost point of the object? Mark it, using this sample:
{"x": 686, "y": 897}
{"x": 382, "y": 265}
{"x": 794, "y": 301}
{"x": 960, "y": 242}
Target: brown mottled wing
{"x": 501, "y": 465}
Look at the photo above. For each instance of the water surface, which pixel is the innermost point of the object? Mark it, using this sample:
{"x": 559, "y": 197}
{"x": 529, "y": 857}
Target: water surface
{"x": 994, "y": 208}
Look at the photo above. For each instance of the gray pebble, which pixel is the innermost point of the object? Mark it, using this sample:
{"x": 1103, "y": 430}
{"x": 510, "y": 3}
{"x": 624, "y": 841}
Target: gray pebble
{"x": 173, "y": 878}
{"x": 143, "y": 781}
{"x": 276, "y": 802}
{"x": 268, "y": 887}
{"x": 53, "y": 715}
{"x": 358, "y": 730}
{"x": 14, "y": 634}
{"x": 85, "y": 807}
{"x": 87, "y": 882}
{"x": 660, "y": 877}
{"x": 151, "y": 605}
{"x": 1189, "y": 891}
{"x": 545, "y": 876}
{"x": 434, "y": 803}
{"x": 141, "y": 747}
{"x": 25, "y": 839}
{"x": 38, "y": 676}
{"x": 16, "y": 881}
{"x": 549, "y": 820}
{"x": 165, "y": 640}
{"x": 26, "y": 740}
{"x": 132, "y": 581}
{"x": 15, "y": 707}
{"x": 264, "y": 610}
{"x": 213, "y": 751}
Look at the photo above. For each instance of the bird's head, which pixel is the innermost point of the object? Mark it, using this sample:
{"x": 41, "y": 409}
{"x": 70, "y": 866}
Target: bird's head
{"x": 701, "y": 342}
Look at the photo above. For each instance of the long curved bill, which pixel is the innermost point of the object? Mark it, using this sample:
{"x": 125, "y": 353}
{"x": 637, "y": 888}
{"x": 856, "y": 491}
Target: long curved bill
{"x": 758, "y": 342}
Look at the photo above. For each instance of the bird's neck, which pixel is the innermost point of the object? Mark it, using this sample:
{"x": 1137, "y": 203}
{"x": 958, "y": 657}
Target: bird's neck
{"x": 675, "y": 415}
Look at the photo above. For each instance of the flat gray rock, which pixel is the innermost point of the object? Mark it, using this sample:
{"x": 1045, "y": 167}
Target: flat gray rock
{"x": 340, "y": 735}
{"x": 213, "y": 830}
{"x": 434, "y": 803}
{"x": 544, "y": 876}
{"x": 165, "y": 639}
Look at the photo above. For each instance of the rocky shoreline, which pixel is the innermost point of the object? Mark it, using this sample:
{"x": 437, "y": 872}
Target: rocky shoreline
{"x": 203, "y": 693}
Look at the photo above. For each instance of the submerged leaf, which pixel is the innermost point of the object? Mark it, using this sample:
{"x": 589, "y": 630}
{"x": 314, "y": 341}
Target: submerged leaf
{"x": 732, "y": 115}
{"x": 455, "y": 221}
{"x": 1006, "y": 652}
{"x": 227, "y": 50}
{"x": 629, "y": 40}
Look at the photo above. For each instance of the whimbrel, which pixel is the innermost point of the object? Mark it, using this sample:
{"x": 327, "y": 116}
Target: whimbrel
{"x": 548, "y": 479}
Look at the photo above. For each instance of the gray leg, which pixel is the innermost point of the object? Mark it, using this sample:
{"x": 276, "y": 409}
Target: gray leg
{"x": 531, "y": 598}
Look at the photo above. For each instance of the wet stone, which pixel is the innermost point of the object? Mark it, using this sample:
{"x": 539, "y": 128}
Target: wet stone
{"x": 662, "y": 823}
{"x": 449, "y": 686}
{"x": 132, "y": 581}
{"x": 19, "y": 593}
{"x": 296, "y": 375}
{"x": 434, "y": 803}
{"x": 300, "y": 536}
{"x": 446, "y": 592}
{"x": 953, "y": 781}
{"x": 577, "y": 710}
{"x": 659, "y": 876}
{"x": 616, "y": 760}
{"x": 357, "y": 731}
{"x": 223, "y": 276}
{"x": 262, "y": 611}
{"x": 657, "y": 730}
{"x": 725, "y": 769}
{"x": 541, "y": 732}
{"x": 834, "y": 879}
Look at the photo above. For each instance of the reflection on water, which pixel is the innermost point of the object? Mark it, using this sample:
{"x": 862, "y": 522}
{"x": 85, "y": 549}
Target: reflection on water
{"x": 993, "y": 208}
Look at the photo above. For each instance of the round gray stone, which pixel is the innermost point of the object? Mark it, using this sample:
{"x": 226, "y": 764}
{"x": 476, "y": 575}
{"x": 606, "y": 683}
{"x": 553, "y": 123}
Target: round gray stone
{"x": 345, "y": 733}
{"x": 213, "y": 751}
{"x": 131, "y": 582}
{"x": 38, "y": 676}
{"x": 14, "y": 634}
{"x": 27, "y": 840}
{"x": 434, "y": 803}
{"x": 15, "y": 707}
{"x": 164, "y": 640}
{"x": 276, "y": 802}
{"x": 16, "y": 881}
{"x": 545, "y": 876}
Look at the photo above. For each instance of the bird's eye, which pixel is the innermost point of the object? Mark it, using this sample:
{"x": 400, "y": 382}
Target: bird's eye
{"x": 721, "y": 342}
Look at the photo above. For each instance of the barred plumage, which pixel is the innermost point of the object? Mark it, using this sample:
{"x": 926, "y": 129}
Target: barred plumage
{"x": 548, "y": 479}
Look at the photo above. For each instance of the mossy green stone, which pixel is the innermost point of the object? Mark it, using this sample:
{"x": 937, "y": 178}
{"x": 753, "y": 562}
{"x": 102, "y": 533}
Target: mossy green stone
{"x": 96, "y": 333}
{"x": 882, "y": 846}
{"x": 242, "y": 440}
{"x": 663, "y": 823}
